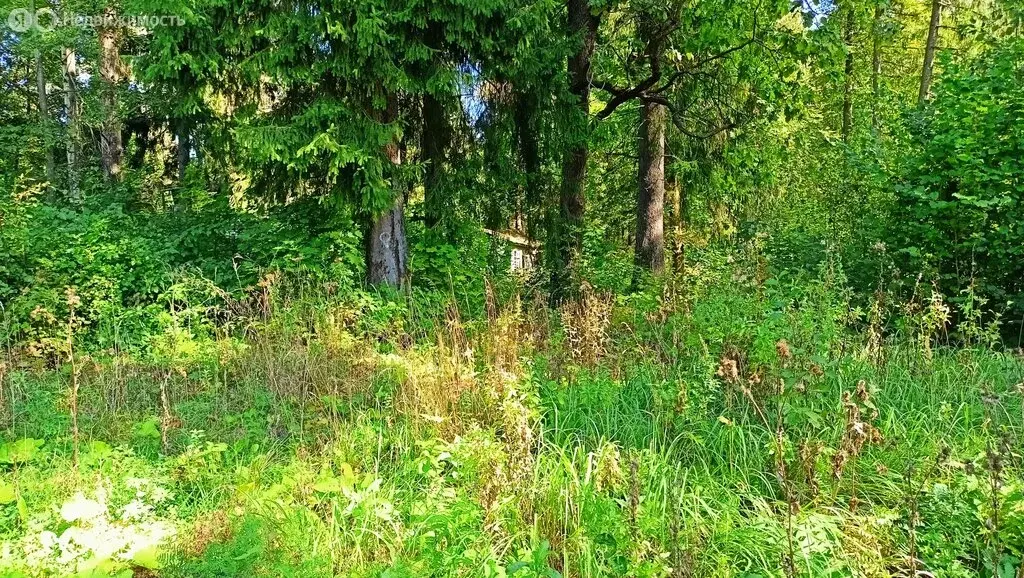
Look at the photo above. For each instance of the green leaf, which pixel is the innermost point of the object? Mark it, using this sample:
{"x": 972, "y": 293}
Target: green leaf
{"x": 22, "y": 510}
{"x": 148, "y": 558}
{"x": 328, "y": 485}
{"x": 149, "y": 428}
{"x": 23, "y": 450}
{"x": 7, "y": 493}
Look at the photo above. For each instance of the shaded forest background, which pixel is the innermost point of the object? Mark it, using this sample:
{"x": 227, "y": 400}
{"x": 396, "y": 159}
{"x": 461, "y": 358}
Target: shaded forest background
{"x": 262, "y": 314}
{"x": 239, "y": 141}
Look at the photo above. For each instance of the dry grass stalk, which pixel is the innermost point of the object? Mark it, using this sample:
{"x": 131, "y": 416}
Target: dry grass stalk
{"x": 586, "y": 323}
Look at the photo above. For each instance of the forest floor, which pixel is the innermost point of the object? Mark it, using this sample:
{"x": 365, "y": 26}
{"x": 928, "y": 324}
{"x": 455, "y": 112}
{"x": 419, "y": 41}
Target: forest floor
{"x": 743, "y": 431}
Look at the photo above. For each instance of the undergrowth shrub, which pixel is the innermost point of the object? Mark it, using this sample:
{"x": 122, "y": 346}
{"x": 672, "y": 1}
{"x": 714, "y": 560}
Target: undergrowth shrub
{"x": 726, "y": 426}
{"x": 960, "y": 196}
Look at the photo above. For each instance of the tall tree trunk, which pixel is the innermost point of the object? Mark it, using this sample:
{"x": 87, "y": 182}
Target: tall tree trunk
{"x": 568, "y": 233}
{"x": 529, "y": 155}
{"x": 650, "y": 211}
{"x": 387, "y": 258}
{"x": 929, "y": 51}
{"x": 73, "y": 113}
{"x": 44, "y": 114}
{"x": 138, "y": 127}
{"x": 184, "y": 148}
{"x": 677, "y": 200}
{"x": 435, "y": 139}
{"x": 183, "y": 153}
{"x": 387, "y": 250}
{"x": 111, "y": 148}
{"x": 876, "y": 61}
{"x": 848, "y": 75}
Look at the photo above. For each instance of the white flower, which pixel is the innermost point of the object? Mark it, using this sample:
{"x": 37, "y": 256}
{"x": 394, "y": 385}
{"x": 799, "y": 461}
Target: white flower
{"x": 136, "y": 510}
{"x": 47, "y": 539}
{"x": 81, "y": 508}
{"x": 159, "y": 494}
{"x": 136, "y": 483}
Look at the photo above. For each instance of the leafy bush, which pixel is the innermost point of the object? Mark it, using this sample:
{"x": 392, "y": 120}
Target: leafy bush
{"x": 113, "y": 263}
{"x": 963, "y": 193}
{"x": 133, "y": 270}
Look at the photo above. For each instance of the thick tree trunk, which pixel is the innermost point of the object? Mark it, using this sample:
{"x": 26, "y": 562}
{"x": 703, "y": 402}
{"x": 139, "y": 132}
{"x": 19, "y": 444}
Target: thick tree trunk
{"x": 435, "y": 139}
{"x": 848, "y": 76}
{"x": 44, "y": 113}
{"x": 876, "y": 62}
{"x": 529, "y": 155}
{"x": 138, "y": 127}
{"x": 387, "y": 256}
{"x": 111, "y": 148}
{"x": 387, "y": 250}
{"x": 568, "y": 232}
{"x": 650, "y": 212}
{"x": 929, "y": 51}
{"x": 71, "y": 110}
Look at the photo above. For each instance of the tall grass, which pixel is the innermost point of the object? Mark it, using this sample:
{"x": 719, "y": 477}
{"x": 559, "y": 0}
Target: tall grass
{"x": 750, "y": 430}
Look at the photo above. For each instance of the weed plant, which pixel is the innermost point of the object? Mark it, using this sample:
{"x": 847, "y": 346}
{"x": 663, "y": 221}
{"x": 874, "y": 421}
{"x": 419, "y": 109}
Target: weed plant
{"x": 726, "y": 426}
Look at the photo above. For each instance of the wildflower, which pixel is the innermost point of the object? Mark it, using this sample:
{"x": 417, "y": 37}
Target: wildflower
{"x": 609, "y": 471}
{"x": 41, "y": 313}
{"x": 728, "y": 370}
{"x": 809, "y": 452}
{"x": 839, "y": 462}
{"x": 136, "y": 510}
{"x": 81, "y": 508}
{"x": 72, "y": 297}
{"x": 862, "y": 391}
{"x": 782, "y": 348}
{"x": 160, "y": 494}
{"x": 136, "y": 483}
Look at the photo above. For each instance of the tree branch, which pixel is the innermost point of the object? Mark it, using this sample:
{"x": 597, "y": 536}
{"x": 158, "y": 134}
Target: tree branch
{"x": 607, "y": 87}
{"x": 677, "y": 120}
{"x": 693, "y": 68}
{"x": 653, "y": 51}
{"x": 627, "y": 95}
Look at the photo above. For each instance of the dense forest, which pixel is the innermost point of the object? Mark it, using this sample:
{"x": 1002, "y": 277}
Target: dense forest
{"x": 512, "y": 288}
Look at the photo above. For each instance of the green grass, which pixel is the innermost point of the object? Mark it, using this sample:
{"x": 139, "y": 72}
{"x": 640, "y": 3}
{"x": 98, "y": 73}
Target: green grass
{"x": 333, "y": 454}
